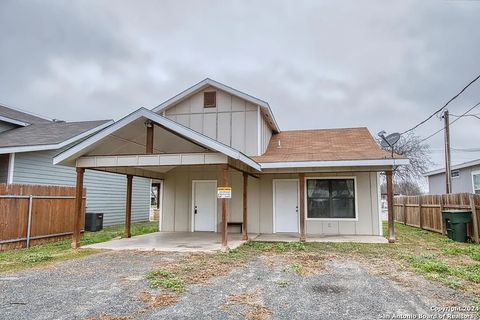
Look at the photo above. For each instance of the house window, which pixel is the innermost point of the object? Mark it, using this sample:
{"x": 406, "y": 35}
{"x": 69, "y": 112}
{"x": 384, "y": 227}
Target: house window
{"x": 331, "y": 198}
{"x": 455, "y": 173}
{"x": 476, "y": 182}
{"x": 209, "y": 99}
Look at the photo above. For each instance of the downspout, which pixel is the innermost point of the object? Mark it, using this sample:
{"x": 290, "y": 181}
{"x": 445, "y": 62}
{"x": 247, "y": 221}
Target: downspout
{"x": 11, "y": 167}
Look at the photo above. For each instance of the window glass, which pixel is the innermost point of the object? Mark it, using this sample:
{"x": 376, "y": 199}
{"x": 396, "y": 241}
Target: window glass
{"x": 330, "y": 198}
{"x": 476, "y": 183}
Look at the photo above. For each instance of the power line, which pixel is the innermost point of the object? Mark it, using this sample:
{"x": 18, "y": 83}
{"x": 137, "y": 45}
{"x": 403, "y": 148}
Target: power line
{"x": 458, "y": 118}
{"x": 466, "y": 149}
{"x": 467, "y": 115}
{"x": 443, "y": 107}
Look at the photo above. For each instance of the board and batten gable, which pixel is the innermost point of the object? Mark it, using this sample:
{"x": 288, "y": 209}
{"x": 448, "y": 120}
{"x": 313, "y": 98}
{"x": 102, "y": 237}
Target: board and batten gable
{"x": 234, "y": 121}
{"x": 106, "y": 192}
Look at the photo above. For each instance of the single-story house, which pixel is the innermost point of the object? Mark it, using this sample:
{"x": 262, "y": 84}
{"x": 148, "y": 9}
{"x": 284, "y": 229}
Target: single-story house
{"x": 28, "y": 144}
{"x": 321, "y": 181}
{"x": 465, "y": 177}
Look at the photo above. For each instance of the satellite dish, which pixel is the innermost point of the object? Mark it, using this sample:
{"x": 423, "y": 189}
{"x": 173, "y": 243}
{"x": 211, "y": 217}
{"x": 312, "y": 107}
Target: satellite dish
{"x": 390, "y": 140}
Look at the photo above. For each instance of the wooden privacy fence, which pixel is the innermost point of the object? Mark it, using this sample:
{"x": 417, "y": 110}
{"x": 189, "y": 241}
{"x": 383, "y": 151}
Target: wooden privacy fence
{"x": 425, "y": 212}
{"x": 34, "y": 214}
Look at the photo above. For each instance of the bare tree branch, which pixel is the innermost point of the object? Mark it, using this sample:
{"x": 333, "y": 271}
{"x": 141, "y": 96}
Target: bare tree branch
{"x": 411, "y": 147}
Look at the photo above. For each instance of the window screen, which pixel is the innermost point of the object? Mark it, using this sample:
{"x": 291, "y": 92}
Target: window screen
{"x": 333, "y": 198}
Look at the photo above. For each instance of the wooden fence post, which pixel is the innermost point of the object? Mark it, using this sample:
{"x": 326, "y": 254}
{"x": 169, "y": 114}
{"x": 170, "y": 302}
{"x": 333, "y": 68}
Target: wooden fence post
{"x": 404, "y": 208}
{"x": 441, "y": 218}
{"x": 474, "y": 217}
{"x": 420, "y": 211}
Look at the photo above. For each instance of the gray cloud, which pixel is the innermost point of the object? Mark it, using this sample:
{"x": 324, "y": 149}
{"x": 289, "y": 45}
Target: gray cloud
{"x": 384, "y": 65}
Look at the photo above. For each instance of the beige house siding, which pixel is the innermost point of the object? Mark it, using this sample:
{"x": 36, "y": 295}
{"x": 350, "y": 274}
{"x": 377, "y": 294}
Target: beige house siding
{"x": 178, "y": 202}
{"x": 234, "y": 122}
{"x": 265, "y": 135}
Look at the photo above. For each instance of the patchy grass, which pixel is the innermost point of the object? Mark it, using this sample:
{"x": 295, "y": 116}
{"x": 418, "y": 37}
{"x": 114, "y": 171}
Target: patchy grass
{"x": 110, "y": 317}
{"x": 109, "y": 233}
{"x": 250, "y": 304}
{"x": 19, "y": 259}
{"x": 283, "y": 283}
{"x": 165, "y": 279}
{"x": 455, "y": 264}
{"x": 294, "y": 267}
{"x": 158, "y": 301}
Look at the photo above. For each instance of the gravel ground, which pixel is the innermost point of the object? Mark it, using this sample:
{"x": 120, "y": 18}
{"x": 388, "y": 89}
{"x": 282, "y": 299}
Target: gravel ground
{"x": 111, "y": 284}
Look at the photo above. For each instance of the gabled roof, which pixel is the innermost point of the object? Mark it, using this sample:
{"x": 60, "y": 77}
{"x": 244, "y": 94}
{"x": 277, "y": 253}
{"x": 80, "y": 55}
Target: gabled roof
{"x": 209, "y": 82}
{"x": 455, "y": 167}
{"x": 20, "y": 118}
{"x": 86, "y": 145}
{"x": 325, "y": 147}
{"x": 48, "y": 135}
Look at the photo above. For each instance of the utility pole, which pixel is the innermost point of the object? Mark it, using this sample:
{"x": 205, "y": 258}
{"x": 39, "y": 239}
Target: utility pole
{"x": 448, "y": 173}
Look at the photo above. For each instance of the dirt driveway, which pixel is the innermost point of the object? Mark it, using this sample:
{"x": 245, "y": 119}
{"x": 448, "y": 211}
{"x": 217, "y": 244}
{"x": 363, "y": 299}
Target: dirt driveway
{"x": 280, "y": 285}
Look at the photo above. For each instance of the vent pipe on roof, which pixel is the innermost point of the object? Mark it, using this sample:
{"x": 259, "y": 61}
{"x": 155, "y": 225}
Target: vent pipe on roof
{"x": 279, "y": 144}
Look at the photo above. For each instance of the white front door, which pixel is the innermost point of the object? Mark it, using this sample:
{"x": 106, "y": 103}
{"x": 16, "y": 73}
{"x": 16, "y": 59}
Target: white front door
{"x": 285, "y": 201}
{"x": 204, "y": 205}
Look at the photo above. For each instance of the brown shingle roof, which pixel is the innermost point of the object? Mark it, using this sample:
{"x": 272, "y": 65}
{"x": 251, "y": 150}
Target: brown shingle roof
{"x": 322, "y": 145}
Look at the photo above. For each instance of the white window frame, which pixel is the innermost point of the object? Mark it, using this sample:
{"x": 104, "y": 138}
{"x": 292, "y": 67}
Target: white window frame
{"x": 332, "y": 178}
{"x": 474, "y": 173}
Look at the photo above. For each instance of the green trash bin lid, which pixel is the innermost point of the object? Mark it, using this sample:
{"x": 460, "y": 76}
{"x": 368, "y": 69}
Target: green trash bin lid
{"x": 457, "y": 216}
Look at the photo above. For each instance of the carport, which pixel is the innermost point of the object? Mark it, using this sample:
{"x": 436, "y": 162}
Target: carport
{"x": 147, "y": 145}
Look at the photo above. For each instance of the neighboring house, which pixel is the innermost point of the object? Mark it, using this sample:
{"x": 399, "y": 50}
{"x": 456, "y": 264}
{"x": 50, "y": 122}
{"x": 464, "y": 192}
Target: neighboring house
{"x": 210, "y": 132}
{"x": 465, "y": 178}
{"x": 28, "y": 144}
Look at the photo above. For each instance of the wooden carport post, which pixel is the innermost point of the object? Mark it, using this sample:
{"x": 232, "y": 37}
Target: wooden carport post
{"x": 301, "y": 181}
{"x": 128, "y": 208}
{"x": 245, "y": 207}
{"x": 78, "y": 209}
{"x": 391, "y": 225}
{"x": 224, "y": 212}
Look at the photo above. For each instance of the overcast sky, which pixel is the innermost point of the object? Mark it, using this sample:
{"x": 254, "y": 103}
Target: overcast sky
{"x": 381, "y": 64}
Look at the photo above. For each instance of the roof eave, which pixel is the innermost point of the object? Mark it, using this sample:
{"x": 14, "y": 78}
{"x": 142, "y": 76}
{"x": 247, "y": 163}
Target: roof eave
{"x": 334, "y": 163}
{"x": 54, "y": 146}
{"x": 455, "y": 167}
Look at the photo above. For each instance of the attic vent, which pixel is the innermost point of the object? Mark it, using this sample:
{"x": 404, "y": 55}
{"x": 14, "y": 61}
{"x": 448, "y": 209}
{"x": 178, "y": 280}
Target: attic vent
{"x": 209, "y": 99}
